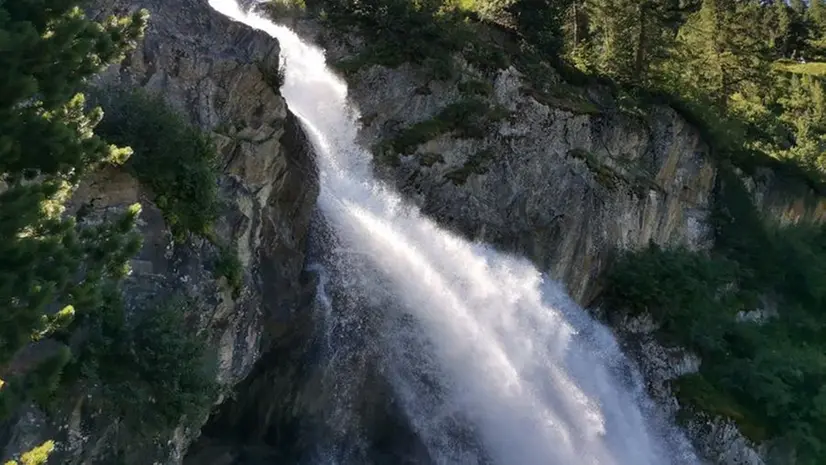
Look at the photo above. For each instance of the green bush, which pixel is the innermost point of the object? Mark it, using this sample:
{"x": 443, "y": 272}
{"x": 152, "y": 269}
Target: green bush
{"x": 169, "y": 365}
{"x": 229, "y": 266}
{"x": 487, "y": 57}
{"x": 683, "y": 290}
{"x": 175, "y": 159}
{"x": 766, "y": 376}
{"x": 699, "y": 397}
{"x": 153, "y": 370}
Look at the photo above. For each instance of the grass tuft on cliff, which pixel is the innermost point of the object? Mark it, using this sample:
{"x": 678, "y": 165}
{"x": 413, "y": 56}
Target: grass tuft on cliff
{"x": 230, "y": 267}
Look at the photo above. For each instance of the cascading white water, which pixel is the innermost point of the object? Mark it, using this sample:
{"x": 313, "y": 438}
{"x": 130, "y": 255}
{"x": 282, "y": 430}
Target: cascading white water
{"x": 490, "y": 361}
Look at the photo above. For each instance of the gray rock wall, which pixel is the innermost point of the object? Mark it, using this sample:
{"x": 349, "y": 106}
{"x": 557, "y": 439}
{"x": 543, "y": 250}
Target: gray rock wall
{"x": 564, "y": 188}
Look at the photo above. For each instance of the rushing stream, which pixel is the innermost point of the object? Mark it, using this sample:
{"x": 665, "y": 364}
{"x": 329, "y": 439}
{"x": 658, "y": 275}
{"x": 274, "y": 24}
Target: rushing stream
{"x": 487, "y": 360}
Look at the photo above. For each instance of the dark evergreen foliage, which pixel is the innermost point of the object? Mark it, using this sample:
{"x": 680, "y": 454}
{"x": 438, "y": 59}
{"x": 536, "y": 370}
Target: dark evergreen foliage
{"x": 766, "y": 372}
{"x": 52, "y": 270}
{"x": 63, "y": 326}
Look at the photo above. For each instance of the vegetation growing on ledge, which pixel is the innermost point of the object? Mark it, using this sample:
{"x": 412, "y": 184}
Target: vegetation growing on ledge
{"x": 604, "y": 175}
{"x": 178, "y": 162}
{"x": 767, "y": 374}
{"x": 430, "y": 158}
{"x": 468, "y": 118}
{"x": 175, "y": 159}
{"x": 229, "y": 266}
{"x": 624, "y": 171}
{"x": 477, "y": 163}
{"x": 152, "y": 374}
{"x": 475, "y": 87}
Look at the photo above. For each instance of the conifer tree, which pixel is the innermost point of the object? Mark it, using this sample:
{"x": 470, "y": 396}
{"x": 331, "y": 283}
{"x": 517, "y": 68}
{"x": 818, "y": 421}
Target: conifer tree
{"x": 611, "y": 26}
{"x": 798, "y": 6}
{"x": 817, "y": 14}
{"x": 781, "y": 27}
{"x": 721, "y": 52}
{"x": 630, "y": 37}
{"x": 541, "y": 21}
{"x": 53, "y": 272}
{"x": 659, "y": 21}
{"x": 815, "y": 19}
{"x": 798, "y": 32}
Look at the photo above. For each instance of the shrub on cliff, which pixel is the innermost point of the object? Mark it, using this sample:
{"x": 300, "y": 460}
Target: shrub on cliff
{"x": 36, "y": 456}
{"x": 175, "y": 159}
{"x": 154, "y": 370}
{"x": 752, "y": 310}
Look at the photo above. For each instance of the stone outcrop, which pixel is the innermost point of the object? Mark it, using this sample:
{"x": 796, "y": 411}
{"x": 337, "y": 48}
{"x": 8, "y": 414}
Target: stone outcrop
{"x": 565, "y": 180}
{"x": 223, "y": 77}
{"x": 716, "y": 439}
{"x": 566, "y": 189}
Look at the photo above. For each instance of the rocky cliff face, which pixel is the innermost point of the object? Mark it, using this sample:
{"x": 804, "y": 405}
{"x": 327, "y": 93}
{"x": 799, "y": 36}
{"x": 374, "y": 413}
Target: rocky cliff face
{"x": 562, "y": 179}
{"x": 221, "y": 75}
{"x": 565, "y": 188}
{"x": 718, "y": 440}
{"x": 785, "y": 199}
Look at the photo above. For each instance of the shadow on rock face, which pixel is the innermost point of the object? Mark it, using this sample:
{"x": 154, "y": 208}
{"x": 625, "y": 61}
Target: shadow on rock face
{"x": 293, "y": 407}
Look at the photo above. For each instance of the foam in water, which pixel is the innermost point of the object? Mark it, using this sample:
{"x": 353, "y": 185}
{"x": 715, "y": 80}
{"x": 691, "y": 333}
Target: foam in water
{"x": 489, "y": 359}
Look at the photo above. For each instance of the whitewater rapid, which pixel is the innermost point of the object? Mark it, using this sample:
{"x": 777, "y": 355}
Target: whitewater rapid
{"x": 488, "y": 359}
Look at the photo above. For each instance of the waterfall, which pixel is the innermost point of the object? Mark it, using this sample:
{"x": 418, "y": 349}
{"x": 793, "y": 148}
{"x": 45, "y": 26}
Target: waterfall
{"x": 486, "y": 358}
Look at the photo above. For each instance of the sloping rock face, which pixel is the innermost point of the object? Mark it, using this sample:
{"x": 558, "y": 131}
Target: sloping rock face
{"x": 222, "y": 76}
{"x": 785, "y": 200}
{"x": 561, "y": 181}
{"x": 718, "y": 440}
{"x": 564, "y": 188}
